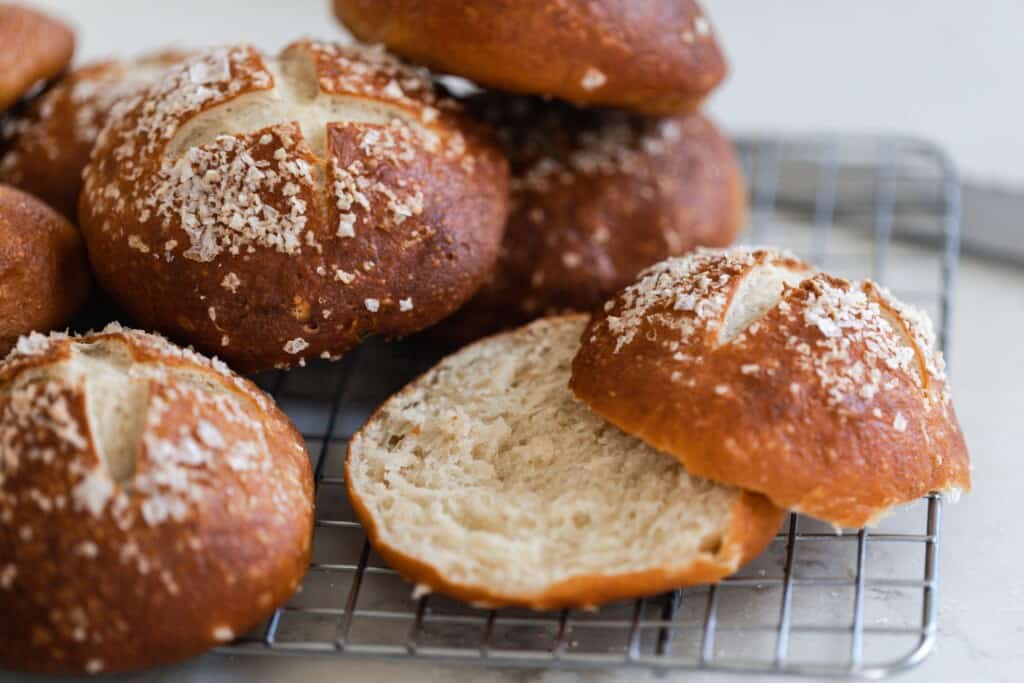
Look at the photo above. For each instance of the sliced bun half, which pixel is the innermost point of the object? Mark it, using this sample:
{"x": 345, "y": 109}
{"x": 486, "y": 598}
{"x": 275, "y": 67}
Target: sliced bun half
{"x": 487, "y": 481}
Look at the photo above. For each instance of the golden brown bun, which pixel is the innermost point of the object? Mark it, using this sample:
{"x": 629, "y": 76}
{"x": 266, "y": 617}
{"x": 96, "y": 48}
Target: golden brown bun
{"x": 268, "y": 210}
{"x": 154, "y": 504}
{"x": 44, "y": 273}
{"x": 822, "y": 394}
{"x": 596, "y": 196}
{"x": 654, "y": 57}
{"x": 33, "y": 47}
{"x": 52, "y": 139}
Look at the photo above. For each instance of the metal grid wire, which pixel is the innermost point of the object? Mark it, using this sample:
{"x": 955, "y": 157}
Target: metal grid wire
{"x": 818, "y": 602}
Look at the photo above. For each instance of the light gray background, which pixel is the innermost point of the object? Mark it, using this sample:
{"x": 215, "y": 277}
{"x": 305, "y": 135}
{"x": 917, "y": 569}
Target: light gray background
{"x": 944, "y": 69}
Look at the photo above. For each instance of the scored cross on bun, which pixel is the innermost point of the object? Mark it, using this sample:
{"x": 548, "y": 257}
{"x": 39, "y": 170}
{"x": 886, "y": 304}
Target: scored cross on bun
{"x": 269, "y": 209}
{"x": 752, "y": 369}
{"x": 153, "y": 503}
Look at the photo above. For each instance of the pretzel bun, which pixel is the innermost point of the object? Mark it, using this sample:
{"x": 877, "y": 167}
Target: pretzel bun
{"x": 753, "y": 370}
{"x": 596, "y": 196}
{"x": 44, "y": 272}
{"x": 51, "y": 141}
{"x": 273, "y": 209}
{"x": 153, "y": 504}
{"x": 33, "y": 47}
{"x": 653, "y": 57}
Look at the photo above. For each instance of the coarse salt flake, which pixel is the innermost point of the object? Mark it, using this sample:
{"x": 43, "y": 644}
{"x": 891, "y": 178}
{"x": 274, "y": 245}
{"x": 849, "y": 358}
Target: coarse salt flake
{"x": 7, "y": 576}
{"x": 393, "y": 90}
{"x": 347, "y": 225}
{"x": 87, "y": 549}
{"x": 223, "y": 634}
{"x": 297, "y": 345}
{"x": 593, "y": 78}
{"x": 93, "y": 491}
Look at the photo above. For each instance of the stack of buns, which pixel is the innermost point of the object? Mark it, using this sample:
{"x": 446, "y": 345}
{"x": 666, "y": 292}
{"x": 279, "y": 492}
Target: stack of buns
{"x": 596, "y": 106}
{"x": 50, "y": 141}
{"x": 43, "y": 266}
{"x": 269, "y": 209}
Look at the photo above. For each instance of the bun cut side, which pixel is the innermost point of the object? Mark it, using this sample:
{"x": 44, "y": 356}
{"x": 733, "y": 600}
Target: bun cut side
{"x": 487, "y": 481}
{"x": 825, "y": 395}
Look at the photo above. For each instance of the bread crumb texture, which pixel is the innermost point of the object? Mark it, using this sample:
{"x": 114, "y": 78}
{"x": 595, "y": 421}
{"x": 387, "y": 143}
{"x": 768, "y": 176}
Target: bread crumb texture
{"x": 490, "y": 473}
{"x": 151, "y": 485}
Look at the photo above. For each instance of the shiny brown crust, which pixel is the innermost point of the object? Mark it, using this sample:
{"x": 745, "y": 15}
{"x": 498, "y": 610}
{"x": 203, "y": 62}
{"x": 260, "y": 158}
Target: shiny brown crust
{"x": 33, "y": 47}
{"x": 596, "y": 196}
{"x": 265, "y": 247}
{"x": 52, "y": 139}
{"x": 44, "y": 272}
{"x": 653, "y": 57}
{"x": 210, "y": 532}
{"x": 818, "y": 404}
{"x": 755, "y": 522}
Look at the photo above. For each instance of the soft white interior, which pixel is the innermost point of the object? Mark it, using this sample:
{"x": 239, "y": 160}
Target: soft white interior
{"x": 758, "y": 292}
{"x": 115, "y": 403}
{"x": 296, "y": 97}
{"x": 488, "y": 469}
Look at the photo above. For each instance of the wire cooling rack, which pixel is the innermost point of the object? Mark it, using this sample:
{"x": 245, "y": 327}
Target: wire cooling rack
{"x": 819, "y": 602}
